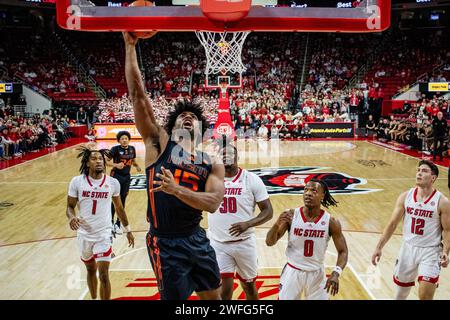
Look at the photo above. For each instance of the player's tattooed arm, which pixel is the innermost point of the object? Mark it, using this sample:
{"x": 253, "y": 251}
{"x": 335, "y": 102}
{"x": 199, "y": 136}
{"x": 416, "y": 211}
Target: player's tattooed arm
{"x": 279, "y": 228}
{"x": 389, "y": 230}
{"x": 444, "y": 209}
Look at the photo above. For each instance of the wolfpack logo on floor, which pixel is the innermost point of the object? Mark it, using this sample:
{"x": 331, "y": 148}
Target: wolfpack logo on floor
{"x": 267, "y": 287}
{"x": 292, "y": 180}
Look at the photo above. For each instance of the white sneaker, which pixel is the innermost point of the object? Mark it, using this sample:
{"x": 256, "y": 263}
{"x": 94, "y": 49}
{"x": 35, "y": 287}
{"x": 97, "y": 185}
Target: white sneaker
{"x": 117, "y": 229}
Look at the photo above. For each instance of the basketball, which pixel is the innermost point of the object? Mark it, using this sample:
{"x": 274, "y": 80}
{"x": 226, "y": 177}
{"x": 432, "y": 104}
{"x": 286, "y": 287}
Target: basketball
{"x": 143, "y": 34}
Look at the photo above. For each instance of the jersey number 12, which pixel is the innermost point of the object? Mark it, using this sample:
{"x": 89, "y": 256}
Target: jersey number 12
{"x": 417, "y": 226}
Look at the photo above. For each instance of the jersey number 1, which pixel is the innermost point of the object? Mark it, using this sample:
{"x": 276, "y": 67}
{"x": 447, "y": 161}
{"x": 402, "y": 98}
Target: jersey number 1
{"x": 417, "y": 226}
{"x": 94, "y": 206}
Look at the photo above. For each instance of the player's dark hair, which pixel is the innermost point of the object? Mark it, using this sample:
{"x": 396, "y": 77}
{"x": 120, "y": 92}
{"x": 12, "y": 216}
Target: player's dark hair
{"x": 185, "y": 106}
{"x": 85, "y": 154}
{"x": 431, "y": 165}
{"x": 328, "y": 199}
{"x": 123, "y": 133}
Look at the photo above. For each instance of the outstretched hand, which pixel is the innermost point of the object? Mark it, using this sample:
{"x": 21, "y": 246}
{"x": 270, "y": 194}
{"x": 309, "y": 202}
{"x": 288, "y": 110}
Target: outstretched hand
{"x": 130, "y": 38}
{"x": 167, "y": 183}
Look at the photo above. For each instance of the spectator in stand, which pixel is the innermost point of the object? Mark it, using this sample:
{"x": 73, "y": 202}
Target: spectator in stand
{"x": 274, "y": 132}
{"x": 7, "y": 144}
{"x": 284, "y": 132}
{"x": 263, "y": 132}
{"x": 306, "y": 132}
{"x": 412, "y": 136}
{"x": 440, "y": 132}
{"x": 401, "y": 131}
{"x": 370, "y": 126}
{"x": 81, "y": 116}
{"x": 297, "y": 132}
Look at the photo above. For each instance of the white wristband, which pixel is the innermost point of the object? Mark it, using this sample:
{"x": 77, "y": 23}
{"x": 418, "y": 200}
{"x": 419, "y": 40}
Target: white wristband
{"x": 338, "y": 270}
{"x": 126, "y": 229}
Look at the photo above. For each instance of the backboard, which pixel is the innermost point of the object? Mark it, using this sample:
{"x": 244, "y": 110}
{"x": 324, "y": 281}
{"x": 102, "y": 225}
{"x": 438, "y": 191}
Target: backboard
{"x": 101, "y": 15}
{"x": 231, "y": 80}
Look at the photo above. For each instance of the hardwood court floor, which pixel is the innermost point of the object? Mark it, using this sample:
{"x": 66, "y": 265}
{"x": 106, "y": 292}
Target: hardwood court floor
{"x": 39, "y": 255}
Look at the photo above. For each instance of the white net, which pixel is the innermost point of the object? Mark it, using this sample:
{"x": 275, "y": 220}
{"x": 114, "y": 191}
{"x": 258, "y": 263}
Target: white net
{"x": 223, "y": 51}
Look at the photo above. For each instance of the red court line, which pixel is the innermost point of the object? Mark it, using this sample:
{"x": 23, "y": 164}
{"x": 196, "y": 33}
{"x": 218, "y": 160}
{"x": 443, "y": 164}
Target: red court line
{"x": 34, "y": 241}
{"x": 413, "y": 153}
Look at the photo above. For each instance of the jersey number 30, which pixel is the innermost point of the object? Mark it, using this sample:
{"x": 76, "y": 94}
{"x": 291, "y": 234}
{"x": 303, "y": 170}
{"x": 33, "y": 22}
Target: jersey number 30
{"x": 228, "y": 205}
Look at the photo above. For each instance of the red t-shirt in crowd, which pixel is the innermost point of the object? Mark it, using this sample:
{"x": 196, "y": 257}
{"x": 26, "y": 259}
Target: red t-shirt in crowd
{"x": 434, "y": 111}
{"x": 310, "y": 118}
{"x": 354, "y": 101}
{"x": 326, "y": 110}
{"x": 14, "y": 136}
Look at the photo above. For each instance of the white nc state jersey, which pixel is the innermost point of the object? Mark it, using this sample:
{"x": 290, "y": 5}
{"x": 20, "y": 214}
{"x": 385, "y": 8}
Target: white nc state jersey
{"x": 308, "y": 241}
{"x": 242, "y": 192}
{"x": 94, "y": 203}
{"x": 422, "y": 222}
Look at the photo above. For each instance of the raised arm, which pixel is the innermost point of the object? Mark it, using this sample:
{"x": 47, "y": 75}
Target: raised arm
{"x": 145, "y": 119}
{"x": 282, "y": 224}
{"x": 396, "y": 217}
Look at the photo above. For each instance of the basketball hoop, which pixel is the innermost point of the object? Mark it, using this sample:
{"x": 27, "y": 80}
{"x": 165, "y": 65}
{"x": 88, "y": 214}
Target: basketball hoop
{"x": 223, "y": 51}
